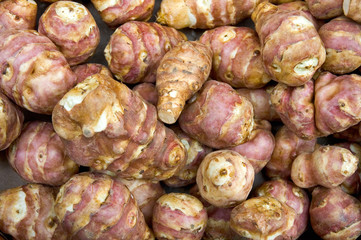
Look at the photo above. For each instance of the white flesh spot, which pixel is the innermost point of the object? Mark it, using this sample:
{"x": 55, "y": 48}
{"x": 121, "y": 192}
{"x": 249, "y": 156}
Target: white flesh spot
{"x": 70, "y": 12}
{"x": 306, "y": 67}
{"x": 346, "y": 6}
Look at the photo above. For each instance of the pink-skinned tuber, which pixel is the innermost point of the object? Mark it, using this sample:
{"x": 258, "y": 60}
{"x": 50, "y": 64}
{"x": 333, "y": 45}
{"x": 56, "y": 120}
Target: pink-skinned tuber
{"x": 86, "y": 70}
{"x": 325, "y": 9}
{"x": 148, "y": 92}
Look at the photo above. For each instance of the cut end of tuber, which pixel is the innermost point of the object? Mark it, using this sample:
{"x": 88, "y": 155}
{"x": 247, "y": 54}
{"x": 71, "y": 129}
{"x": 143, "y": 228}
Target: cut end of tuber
{"x": 167, "y": 116}
{"x": 346, "y": 6}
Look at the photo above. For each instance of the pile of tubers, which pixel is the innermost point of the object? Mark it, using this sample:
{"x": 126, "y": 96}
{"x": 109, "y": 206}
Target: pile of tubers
{"x": 128, "y": 124}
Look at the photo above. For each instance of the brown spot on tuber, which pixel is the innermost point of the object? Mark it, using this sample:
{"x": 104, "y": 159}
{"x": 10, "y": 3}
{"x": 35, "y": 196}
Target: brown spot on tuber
{"x": 223, "y": 172}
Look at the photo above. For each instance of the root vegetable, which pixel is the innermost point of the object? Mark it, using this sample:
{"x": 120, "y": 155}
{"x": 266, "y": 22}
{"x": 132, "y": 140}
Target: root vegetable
{"x": 287, "y": 147}
{"x": 11, "y": 122}
{"x": 334, "y": 214}
{"x": 218, "y": 116}
{"x": 27, "y": 212}
{"x": 37, "y": 78}
{"x": 115, "y": 13}
{"x": 325, "y": 9}
{"x": 327, "y": 166}
{"x": 236, "y": 56}
{"x": 195, "y": 155}
{"x": 292, "y": 50}
{"x": 38, "y": 155}
{"x": 263, "y": 218}
{"x": 259, "y": 147}
{"x": 351, "y": 134}
{"x": 340, "y": 37}
{"x": 106, "y": 126}
{"x": 148, "y": 92}
{"x": 179, "y": 216}
{"x": 17, "y": 14}
{"x": 351, "y": 9}
{"x": 225, "y": 178}
{"x": 281, "y": 1}
{"x": 288, "y": 193}
{"x": 261, "y": 102}
{"x": 95, "y": 206}
{"x": 181, "y": 73}
{"x": 86, "y": 70}
{"x": 72, "y": 28}
{"x": 203, "y": 14}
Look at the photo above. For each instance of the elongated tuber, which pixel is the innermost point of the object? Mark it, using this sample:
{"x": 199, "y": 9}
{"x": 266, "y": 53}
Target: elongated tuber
{"x": 218, "y": 116}
{"x": 105, "y": 125}
{"x": 225, "y": 178}
{"x": 292, "y": 50}
{"x": 148, "y": 92}
{"x": 181, "y": 73}
{"x": 351, "y": 9}
{"x": 86, "y": 70}
{"x": 236, "y": 56}
{"x": 325, "y": 9}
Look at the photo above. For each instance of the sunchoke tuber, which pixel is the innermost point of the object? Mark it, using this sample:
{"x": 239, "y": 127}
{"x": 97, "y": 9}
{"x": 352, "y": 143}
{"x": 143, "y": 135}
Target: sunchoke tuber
{"x": 86, "y": 70}
{"x": 325, "y": 9}
{"x": 148, "y": 92}
{"x": 351, "y": 9}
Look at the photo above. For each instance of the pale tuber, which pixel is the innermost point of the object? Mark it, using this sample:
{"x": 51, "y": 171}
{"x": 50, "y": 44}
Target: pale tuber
{"x": 351, "y": 9}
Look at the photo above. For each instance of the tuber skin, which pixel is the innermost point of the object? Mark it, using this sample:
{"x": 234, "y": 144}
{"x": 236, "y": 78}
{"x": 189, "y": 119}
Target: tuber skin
{"x": 236, "y": 56}
{"x": 351, "y": 9}
{"x": 340, "y": 37}
{"x": 259, "y": 147}
{"x": 181, "y": 73}
{"x": 334, "y": 214}
{"x": 195, "y": 155}
{"x": 261, "y": 102}
{"x": 295, "y": 107}
{"x": 263, "y": 218}
{"x": 337, "y": 102}
{"x": 218, "y": 116}
{"x": 148, "y": 92}
{"x": 38, "y": 155}
{"x": 106, "y": 126}
{"x": 146, "y": 193}
{"x": 295, "y": 197}
{"x": 96, "y": 206}
{"x": 72, "y": 28}
{"x": 136, "y": 48}
{"x": 17, "y": 14}
{"x": 287, "y": 147}
{"x": 86, "y": 70}
{"x": 179, "y": 216}
{"x": 204, "y": 14}
{"x": 27, "y": 212}
{"x": 292, "y": 50}
{"x": 351, "y": 134}
{"x": 325, "y": 9}
{"x": 225, "y": 178}
{"x": 281, "y": 1}
{"x": 11, "y": 122}
{"x": 327, "y": 166}
{"x": 37, "y": 78}
{"x": 115, "y": 13}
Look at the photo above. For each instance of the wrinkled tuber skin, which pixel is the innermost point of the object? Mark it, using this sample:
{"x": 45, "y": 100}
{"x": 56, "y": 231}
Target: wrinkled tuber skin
{"x": 72, "y": 28}
{"x": 181, "y": 73}
{"x": 37, "y": 78}
{"x": 96, "y": 206}
{"x": 295, "y": 107}
{"x": 288, "y": 146}
{"x": 225, "y": 178}
{"x": 351, "y": 9}
{"x": 86, "y": 70}
{"x": 205, "y": 15}
{"x": 236, "y": 56}
{"x": 261, "y": 102}
{"x": 195, "y": 155}
{"x": 106, "y": 126}
{"x": 17, "y": 14}
{"x": 263, "y": 217}
{"x": 148, "y": 92}
{"x": 27, "y": 212}
{"x": 337, "y": 102}
{"x": 334, "y": 214}
{"x": 327, "y": 166}
{"x": 351, "y": 134}
{"x": 115, "y": 13}
{"x": 38, "y": 155}
{"x": 295, "y": 197}
{"x": 325, "y": 9}
{"x": 218, "y": 116}
{"x": 179, "y": 216}
{"x": 146, "y": 193}
{"x": 292, "y": 50}
{"x": 259, "y": 147}
{"x": 341, "y": 39}
{"x": 136, "y": 48}
{"x": 11, "y": 122}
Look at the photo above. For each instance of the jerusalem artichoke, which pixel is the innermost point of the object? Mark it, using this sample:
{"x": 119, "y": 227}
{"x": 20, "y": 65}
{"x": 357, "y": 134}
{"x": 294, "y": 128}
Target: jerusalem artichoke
{"x": 86, "y": 70}
{"x": 148, "y": 92}
{"x": 325, "y": 9}
{"x": 351, "y": 9}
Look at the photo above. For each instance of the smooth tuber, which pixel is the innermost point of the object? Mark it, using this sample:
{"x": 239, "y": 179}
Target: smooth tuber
{"x": 325, "y": 9}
